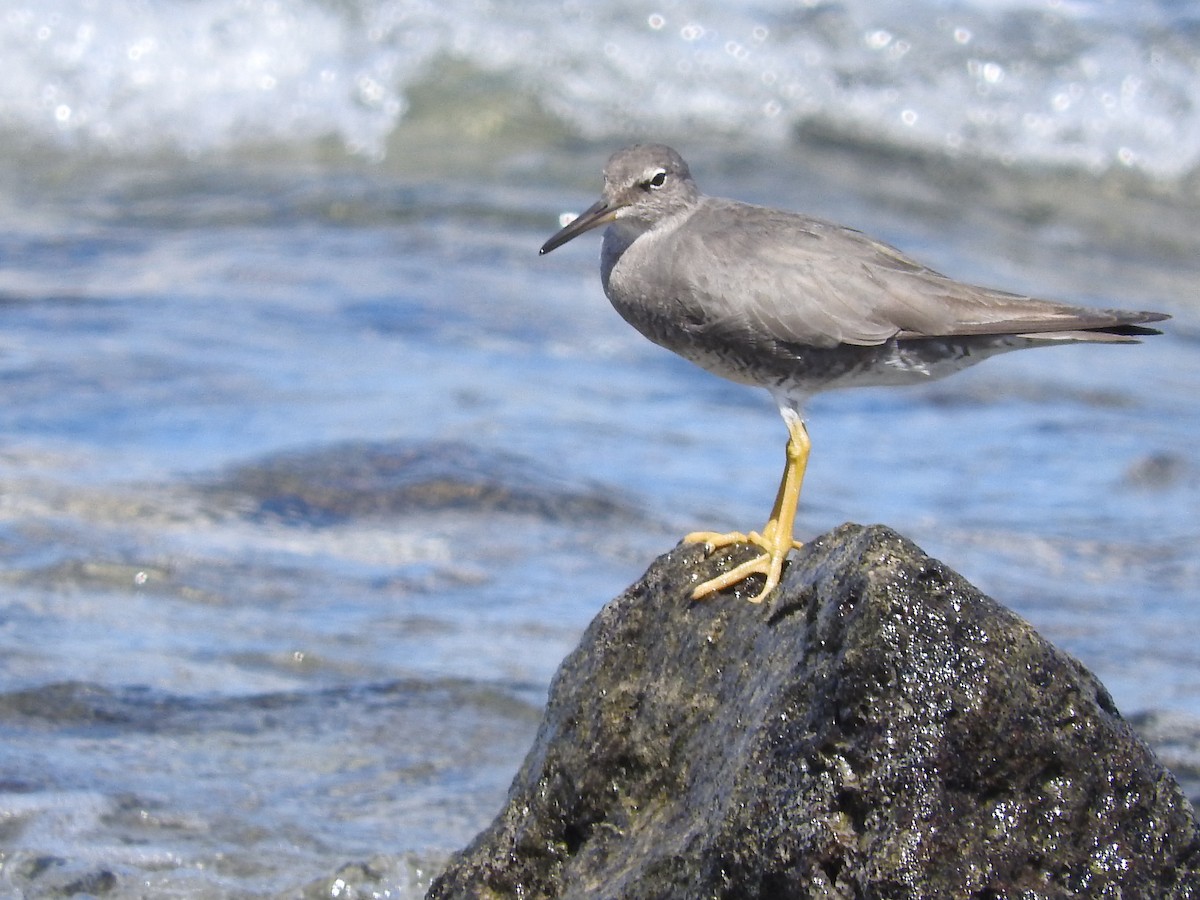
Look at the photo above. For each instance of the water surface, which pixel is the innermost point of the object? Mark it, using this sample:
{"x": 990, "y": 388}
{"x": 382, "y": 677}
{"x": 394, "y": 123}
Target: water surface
{"x": 311, "y": 471}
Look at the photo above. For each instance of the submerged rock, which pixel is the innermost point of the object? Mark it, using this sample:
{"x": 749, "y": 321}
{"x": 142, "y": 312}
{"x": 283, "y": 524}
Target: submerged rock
{"x": 878, "y": 728}
{"x": 332, "y": 484}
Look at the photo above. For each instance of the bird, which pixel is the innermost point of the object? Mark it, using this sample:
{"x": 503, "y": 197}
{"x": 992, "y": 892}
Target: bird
{"x": 797, "y": 305}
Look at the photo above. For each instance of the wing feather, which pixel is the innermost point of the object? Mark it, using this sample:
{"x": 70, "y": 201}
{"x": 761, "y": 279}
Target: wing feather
{"x": 753, "y": 270}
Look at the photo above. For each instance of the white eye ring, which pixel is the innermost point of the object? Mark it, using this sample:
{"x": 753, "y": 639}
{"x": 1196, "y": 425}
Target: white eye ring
{"x": 656, "y": 180}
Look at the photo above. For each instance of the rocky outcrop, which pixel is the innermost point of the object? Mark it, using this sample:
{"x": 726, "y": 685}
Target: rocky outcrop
{"x": 877, "y": 729}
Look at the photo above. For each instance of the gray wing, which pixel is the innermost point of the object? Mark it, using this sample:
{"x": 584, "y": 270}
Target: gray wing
{"x": 801, "y": 280}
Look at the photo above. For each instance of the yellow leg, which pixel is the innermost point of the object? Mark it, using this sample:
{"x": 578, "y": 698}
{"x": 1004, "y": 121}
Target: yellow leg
{"x": 776, "y": 537}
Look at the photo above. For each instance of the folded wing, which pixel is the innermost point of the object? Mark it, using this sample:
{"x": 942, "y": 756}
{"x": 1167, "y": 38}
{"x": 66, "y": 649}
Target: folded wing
{"x": 813, "y": 283}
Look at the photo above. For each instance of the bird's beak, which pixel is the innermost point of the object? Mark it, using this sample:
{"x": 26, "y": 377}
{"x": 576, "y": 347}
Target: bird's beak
{"x": 599, "y": 213}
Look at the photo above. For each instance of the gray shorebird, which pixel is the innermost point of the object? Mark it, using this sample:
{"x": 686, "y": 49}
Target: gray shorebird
{"x": 797, "y": 305}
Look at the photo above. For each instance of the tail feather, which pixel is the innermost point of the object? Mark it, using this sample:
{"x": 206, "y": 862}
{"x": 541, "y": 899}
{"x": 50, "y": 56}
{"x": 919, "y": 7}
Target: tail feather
{"x": 1116, "y": 326}
{"x": 1128, "y": 331}
{"x": 1125, "y": 333}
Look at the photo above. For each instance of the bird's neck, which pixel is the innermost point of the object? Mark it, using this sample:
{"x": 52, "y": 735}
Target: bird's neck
{"x": 617, "y": 238}
{"x": 623, "y": 232}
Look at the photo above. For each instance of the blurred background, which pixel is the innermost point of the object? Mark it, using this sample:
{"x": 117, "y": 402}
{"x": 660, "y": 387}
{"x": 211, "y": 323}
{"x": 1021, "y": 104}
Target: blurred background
{"x": 311, "y": 471}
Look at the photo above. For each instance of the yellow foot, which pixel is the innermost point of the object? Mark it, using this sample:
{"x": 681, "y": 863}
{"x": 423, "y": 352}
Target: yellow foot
{"x": 776, "y": 538}
{"x": 716, "y": 539}
{"x": 769, "y": 563}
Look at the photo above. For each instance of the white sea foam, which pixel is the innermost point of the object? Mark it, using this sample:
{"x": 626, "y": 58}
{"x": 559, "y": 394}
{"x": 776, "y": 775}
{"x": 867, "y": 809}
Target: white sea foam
{"x": 1082, "y": 84}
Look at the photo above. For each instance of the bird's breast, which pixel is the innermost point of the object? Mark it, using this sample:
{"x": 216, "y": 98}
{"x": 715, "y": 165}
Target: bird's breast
{"x": 640, "y": 287}
{"x": 671, "y": 313}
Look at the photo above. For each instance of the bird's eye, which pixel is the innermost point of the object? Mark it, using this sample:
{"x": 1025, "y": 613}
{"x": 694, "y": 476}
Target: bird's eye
{"x": 656, "y": 181}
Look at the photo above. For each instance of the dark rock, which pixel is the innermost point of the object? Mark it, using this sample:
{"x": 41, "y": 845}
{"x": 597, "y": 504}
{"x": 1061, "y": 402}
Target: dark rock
{"x": 360, "y": 480}
{"x": 92, "y": 884}
{"x": 49, "y": 877}
{"x": 880, "y": 729}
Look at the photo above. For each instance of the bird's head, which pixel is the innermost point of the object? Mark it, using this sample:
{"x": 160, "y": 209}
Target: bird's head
{"x": 643, "y": 184}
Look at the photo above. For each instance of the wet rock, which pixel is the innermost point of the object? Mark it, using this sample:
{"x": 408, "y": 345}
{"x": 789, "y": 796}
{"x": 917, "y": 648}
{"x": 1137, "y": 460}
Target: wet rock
{"x": 49, "y": 877}
{"x": 356, "y": 480}
{"x": 1159, "y": 471}
{"x": 878, "y": 729}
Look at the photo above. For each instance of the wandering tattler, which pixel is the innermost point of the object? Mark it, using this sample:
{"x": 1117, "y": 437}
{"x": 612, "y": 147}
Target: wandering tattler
{"x": 797, "y": 305}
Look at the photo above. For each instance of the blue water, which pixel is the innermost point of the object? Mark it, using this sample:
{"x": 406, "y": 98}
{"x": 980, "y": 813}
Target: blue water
{"x": 311, "y": 471}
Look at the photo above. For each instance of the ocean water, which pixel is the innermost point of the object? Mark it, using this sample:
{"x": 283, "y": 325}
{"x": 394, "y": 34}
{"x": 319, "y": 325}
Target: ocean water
{"x": 311, "y": 471}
